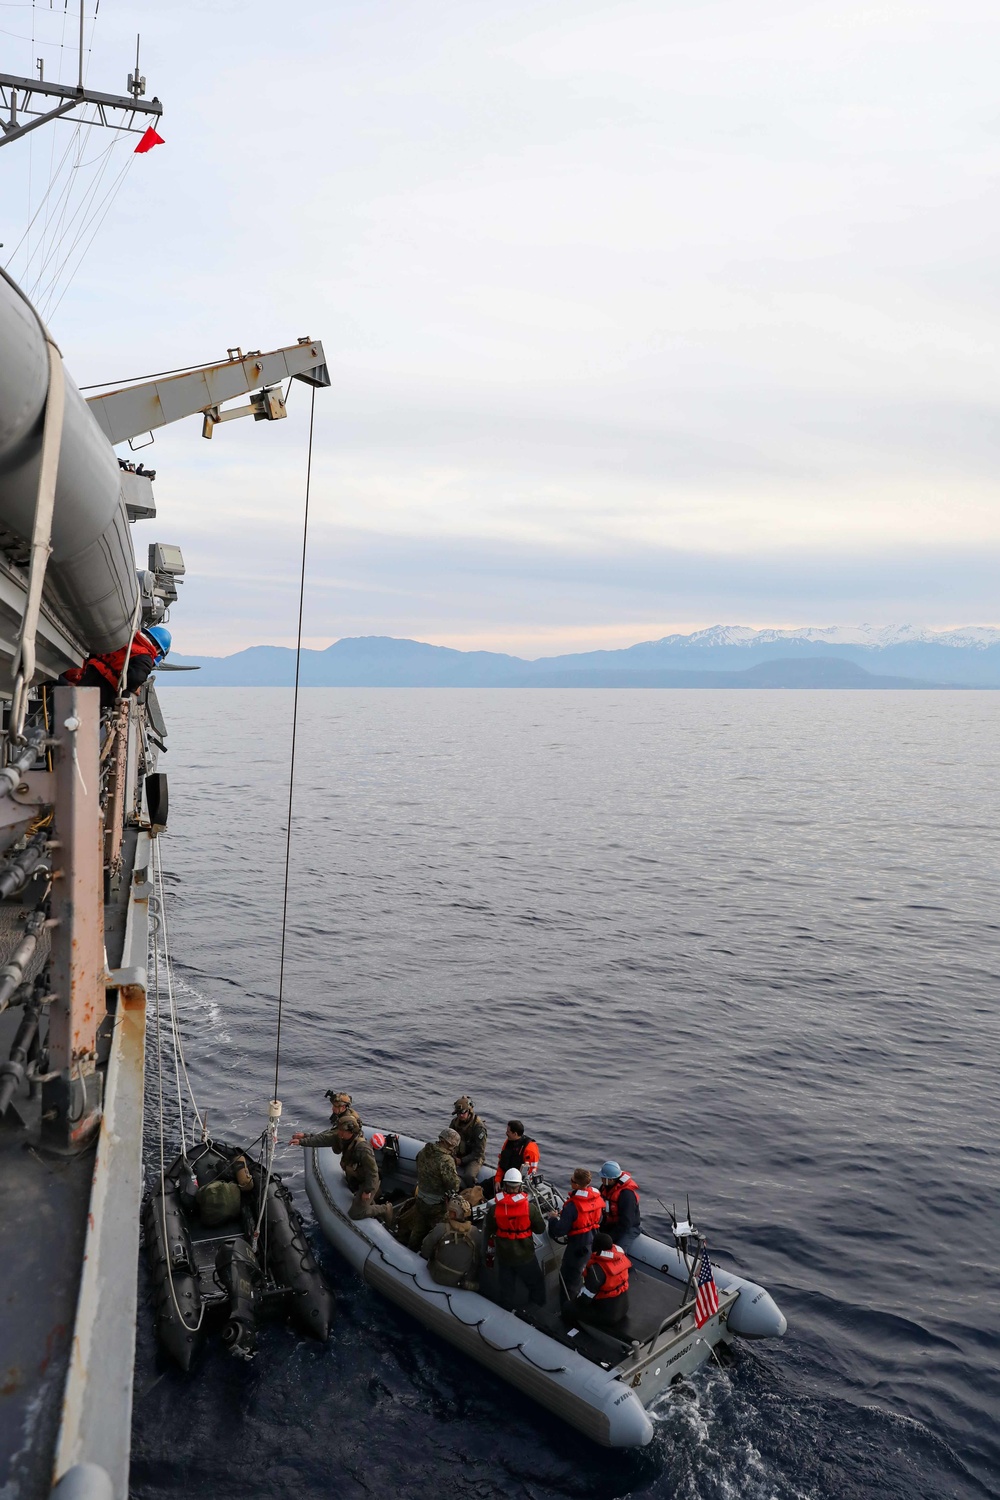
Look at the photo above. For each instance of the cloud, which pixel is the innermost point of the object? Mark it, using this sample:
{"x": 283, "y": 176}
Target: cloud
{"x": 634, "y": 312}
{"x": 536, "y": 600}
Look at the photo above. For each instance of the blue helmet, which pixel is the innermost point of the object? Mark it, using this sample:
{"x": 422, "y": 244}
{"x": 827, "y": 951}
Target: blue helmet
{"x": 611, "y": 1169}
{"x": 161, "y": 635}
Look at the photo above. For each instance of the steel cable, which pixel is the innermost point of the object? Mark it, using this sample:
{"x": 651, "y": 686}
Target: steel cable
{"x": 295, "y": 723}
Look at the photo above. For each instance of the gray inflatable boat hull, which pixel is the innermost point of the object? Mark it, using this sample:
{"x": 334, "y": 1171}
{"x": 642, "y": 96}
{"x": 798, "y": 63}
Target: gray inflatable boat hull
{"x": 583, "y": 1394}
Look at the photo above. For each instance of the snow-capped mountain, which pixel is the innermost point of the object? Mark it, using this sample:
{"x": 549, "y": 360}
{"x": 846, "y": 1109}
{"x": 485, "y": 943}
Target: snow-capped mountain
{"x": 877, "y": 637}
{"x": 966, "y": 657}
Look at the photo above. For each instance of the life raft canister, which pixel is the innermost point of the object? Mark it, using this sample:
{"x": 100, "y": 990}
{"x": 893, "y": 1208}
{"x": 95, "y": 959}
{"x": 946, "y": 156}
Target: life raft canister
{"x": 589, "y": 1210}
{"x": 615, "y": 1264}
{"x": 614, "y": 1193}
{"x": 513, "y": 1213}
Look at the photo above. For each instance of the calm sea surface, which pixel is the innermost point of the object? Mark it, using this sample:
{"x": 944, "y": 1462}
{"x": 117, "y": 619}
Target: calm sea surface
{"x": 748, "y": 943}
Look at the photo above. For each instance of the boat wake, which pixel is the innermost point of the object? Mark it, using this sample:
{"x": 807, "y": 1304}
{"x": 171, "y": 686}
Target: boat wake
{"x": 744, "y": 1433}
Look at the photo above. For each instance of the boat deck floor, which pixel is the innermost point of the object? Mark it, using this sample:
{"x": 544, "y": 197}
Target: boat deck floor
{"x": 650, "y": 1302}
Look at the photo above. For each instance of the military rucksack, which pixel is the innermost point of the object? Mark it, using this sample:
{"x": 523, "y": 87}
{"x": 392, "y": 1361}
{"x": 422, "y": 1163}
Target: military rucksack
{"x": 453, "y": 1259}
{"x": 218, "y": 1202}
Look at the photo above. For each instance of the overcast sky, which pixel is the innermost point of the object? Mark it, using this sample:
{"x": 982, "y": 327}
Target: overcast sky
{"x": 639, "y": 317}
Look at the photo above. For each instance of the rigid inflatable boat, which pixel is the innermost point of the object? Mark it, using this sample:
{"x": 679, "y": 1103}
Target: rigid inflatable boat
{"x": 205, "y": 1270}
{"x": 600, "y": 1382}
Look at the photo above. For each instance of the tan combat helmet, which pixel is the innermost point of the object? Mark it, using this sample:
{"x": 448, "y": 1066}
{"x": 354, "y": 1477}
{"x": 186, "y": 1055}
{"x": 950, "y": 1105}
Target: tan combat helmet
{"x": 463, "y": 1104}
{"x": 450, "y": 1138}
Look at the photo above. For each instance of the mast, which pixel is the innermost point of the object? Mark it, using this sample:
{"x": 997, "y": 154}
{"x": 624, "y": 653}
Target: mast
{"x": 27, "y": 103}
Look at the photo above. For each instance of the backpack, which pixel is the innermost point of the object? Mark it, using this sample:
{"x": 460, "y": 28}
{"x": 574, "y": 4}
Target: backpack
{"x": 453, "y": 1259}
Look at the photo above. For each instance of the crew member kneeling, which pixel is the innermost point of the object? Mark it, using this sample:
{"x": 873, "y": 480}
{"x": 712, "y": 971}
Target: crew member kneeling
{"x": 604, "y": 1298}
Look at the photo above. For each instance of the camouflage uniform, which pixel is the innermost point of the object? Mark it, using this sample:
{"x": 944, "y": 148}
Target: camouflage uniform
{"x": 330, "y": 1137}
{"x": 437, "y": 1181}
{"x": 341, "y": 1109}
{"x": 472, "y": 1151}
{"x": 358, "y": 1162}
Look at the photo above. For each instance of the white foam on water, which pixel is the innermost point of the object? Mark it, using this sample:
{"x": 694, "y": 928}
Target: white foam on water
{"x": 210, "y": 1011}
{"x": 706, "y": 1425}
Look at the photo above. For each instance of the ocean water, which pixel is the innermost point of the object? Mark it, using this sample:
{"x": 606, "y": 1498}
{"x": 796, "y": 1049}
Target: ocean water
{"x": 747, "y": 943}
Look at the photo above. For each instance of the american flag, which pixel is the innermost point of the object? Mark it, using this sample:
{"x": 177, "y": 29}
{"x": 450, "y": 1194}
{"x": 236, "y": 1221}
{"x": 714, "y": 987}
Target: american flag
{"x": 706, "y": 1302}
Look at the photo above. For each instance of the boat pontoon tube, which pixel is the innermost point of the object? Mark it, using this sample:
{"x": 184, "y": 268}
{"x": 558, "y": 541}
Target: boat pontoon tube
{"x": 586, "y": 1395}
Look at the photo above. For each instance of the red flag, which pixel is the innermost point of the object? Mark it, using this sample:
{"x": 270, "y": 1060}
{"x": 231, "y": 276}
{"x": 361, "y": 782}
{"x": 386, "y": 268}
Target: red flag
{"x": 149, "y": 140}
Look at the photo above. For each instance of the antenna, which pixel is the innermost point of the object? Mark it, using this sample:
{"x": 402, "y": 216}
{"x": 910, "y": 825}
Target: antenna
{"x": 136, "y": 84}
{"x": 27, "y": 103}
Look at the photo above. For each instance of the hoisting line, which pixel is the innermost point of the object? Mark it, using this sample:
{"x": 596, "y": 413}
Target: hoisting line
{"x": 295, "y": 724}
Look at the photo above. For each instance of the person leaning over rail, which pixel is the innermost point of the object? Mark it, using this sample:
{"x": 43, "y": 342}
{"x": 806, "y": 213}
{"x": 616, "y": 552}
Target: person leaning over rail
{"x": 437, "y": 1181}
{"x": 145, "y": 652}
{"x": 580, "y": 1217}
{"x": 511, "y": 1220}
{"x": 472, "y": 1131}
{"x": 453, "y": 1247}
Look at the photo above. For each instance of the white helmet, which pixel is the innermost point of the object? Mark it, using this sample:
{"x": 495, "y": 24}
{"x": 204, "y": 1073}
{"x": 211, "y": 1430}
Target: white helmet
{"x": 512, "y": 1178}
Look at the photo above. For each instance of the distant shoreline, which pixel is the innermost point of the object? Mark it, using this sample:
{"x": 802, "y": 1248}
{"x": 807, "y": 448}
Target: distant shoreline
{"x": 704, "y": 660}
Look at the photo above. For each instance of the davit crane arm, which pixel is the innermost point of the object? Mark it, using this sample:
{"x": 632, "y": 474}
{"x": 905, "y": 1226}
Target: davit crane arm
{"x": 135, "y": 409}
{"x": 91, "y": 592}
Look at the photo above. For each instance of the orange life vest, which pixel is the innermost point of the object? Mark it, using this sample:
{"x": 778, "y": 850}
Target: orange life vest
{"x": 522, "y": 1153}
{"x": 589, "y": 1209}
{"x": 110, "y": 664}
{"x": 615, "y": 1265}
{"x": 513, "y": 1213}
{"x": 613, "y": 1193}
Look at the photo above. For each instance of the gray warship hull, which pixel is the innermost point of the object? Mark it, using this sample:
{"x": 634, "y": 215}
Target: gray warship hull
{"x": 81, "y": 806}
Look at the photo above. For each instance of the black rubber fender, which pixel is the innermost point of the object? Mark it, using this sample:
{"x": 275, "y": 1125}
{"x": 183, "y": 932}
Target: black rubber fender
{"x": 170, "y": 1258}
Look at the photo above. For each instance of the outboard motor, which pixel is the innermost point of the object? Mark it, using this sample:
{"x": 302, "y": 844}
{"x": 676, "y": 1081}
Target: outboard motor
{"x": 239, "y": 1274}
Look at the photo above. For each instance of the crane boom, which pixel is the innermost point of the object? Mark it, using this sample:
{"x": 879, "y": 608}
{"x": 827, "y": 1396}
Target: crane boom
{"x": 135, "y": 409}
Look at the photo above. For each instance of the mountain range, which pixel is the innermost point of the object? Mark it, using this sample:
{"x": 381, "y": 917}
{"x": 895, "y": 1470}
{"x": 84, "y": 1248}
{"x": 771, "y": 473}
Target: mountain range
{"x": 894, "y": 656}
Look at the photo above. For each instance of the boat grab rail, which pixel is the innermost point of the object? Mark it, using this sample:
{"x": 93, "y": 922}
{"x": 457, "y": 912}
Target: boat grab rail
{"x": 643, "y": 1351}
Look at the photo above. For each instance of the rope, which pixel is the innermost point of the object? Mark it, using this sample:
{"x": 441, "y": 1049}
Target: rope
{"x": 163, "y": 1169}
{"x": 101, "y": 385}
{"x": 178, "y": 1045}
{"x": 295, "y": 723}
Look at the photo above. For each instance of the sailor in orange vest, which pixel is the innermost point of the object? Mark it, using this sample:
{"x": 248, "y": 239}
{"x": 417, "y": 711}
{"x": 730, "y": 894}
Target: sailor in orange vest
{"x": 512, "y": 1218}
{"x": 580, "y": 1217}
{"x": 147, "y": 650}
{"x": 621, "y": 1215}
{"x": 518, "y": 1150}
{"x": 604, "y": 1298}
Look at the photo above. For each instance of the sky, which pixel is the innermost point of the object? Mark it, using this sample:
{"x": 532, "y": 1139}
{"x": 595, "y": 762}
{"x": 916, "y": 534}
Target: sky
{"x": 639, "y": 317}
